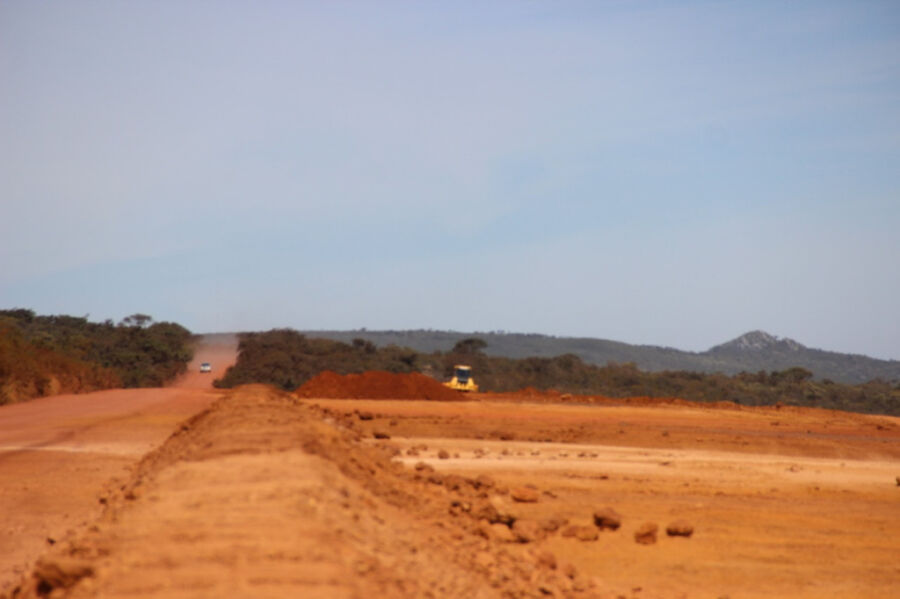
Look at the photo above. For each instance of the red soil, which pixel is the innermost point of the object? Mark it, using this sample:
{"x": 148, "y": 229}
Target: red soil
{"x": 376, "y": 385}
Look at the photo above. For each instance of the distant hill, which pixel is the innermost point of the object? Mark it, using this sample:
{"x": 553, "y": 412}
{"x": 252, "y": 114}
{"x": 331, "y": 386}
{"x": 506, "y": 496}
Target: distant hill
{"x": 751, "y": 352}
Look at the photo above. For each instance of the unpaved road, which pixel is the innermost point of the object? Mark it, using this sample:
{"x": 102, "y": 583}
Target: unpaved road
{"x": 264, "y": 494}
{"x": 57, "y": 452}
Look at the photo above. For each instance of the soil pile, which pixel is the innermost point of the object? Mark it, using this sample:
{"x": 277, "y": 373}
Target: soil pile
{"x": 376, "y": 385}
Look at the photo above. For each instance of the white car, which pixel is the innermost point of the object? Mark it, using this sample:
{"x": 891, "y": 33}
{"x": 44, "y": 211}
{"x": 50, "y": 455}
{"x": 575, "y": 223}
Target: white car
{"x": 206, "y": 367}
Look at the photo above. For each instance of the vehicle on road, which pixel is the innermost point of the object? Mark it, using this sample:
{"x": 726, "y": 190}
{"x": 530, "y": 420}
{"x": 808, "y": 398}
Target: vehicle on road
{"x": 206, "y": 367}
{"x": 462, "y": 379}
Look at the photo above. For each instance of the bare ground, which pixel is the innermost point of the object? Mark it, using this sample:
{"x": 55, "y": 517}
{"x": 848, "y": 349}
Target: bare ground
{"x": 265, "y": 494}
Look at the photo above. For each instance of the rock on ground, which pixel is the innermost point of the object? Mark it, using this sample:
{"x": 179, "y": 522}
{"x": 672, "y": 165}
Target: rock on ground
{"x": 680, "y": 528}
{"x": 528, "y": 531}
{"x": 607, "y": 518}
{"x": 524, "y": 495}
{"x": 646, "y": 534}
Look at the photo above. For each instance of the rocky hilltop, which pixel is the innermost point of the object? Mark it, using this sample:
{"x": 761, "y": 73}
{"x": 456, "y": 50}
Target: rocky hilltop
{"x": 759, "y": 341}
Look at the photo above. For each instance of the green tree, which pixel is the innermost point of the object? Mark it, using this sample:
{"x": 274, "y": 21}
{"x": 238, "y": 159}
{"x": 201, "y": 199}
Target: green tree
{"x": 137, "y": 320}
{"x": 470, "y": 345}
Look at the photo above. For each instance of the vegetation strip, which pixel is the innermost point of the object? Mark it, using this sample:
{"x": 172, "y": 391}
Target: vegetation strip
{"x": 288, "y": 359}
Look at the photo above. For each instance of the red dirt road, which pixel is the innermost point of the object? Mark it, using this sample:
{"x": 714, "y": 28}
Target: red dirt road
{"x": 57, "y": 452}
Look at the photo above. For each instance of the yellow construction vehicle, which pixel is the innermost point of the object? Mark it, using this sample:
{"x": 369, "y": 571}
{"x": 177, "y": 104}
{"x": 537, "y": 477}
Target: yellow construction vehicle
{"x": 462, "y": 379}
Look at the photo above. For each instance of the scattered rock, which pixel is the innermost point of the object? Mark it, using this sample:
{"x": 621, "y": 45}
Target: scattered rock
{"x": 381, "y": 435}
{"x": 493, "y": 512}
{"x": 545, "y": 559}
{"x": 460, "y": 506}
{"x": 680, "y": 528}
{"x": 412, "y": 451}
{"x": 502, "y": 533}
{"x": 646, "y": 534}
{"x": 443, "y": 455}
{"x": 60, "y": 573}
{"x": 365, "y": 416}
{"x": 486, "y": 511}
{"x": 528, "y": 531}
{"x": 607, "y": 518}
{"x": 501, "y": 507}
{"x": 423, "y": 467}
{"x": 484, "y": 481}
{"x": 553, "y": 524}
{"x": 453, "y": 482}
{"x": 525, "y": 495}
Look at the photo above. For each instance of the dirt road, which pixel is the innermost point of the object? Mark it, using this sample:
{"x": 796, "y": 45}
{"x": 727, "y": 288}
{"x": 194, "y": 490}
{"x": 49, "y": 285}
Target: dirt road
{"x": 266, "y": 494}
{"x": 57, "y": 452}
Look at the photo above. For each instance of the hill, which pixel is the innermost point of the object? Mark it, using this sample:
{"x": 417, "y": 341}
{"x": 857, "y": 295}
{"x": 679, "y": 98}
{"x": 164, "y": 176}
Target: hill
{"x": 752, "y": 352}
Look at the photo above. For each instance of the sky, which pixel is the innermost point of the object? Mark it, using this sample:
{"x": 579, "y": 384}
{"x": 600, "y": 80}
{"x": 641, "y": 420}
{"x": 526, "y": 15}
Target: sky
{"x": 664, "y": 173}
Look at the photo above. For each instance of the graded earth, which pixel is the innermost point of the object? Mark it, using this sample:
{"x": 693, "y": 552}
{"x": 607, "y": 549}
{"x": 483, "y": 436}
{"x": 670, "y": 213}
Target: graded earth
{"x": 193, "y": 492}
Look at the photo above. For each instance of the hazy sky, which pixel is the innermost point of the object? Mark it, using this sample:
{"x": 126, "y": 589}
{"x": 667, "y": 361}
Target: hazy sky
{"x": 669, "y": 173}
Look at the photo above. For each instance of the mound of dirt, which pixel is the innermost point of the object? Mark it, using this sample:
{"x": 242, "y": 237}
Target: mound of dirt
{"x": 376, "y": 385}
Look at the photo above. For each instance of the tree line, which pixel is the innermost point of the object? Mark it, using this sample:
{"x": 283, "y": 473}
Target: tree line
{"x": 287, "y": 359}
{"x": 40, "y": 355}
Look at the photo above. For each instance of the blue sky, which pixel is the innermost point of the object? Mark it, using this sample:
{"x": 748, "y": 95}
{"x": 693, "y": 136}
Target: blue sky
{"x": 669, "y": 173}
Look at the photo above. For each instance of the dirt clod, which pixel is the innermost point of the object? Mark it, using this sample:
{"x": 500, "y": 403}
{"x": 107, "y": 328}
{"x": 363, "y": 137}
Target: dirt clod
{"x": 501, "y": 533}
{"x": 607, "y": 518}
{"x": 484, "y": 481}
{"x": 582, "y": 533}
{"x": 528, "y": 531}
{"x": 680, "y": 528}
{"x": 60, "y": 573}
{"x": 525, "y": 495}
{"x": 554, "y": 524}
{"x": 646, "y": 534}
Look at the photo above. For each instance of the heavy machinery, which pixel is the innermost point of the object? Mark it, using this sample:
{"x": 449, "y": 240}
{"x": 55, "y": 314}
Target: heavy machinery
{"x": 462, "y": 379}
